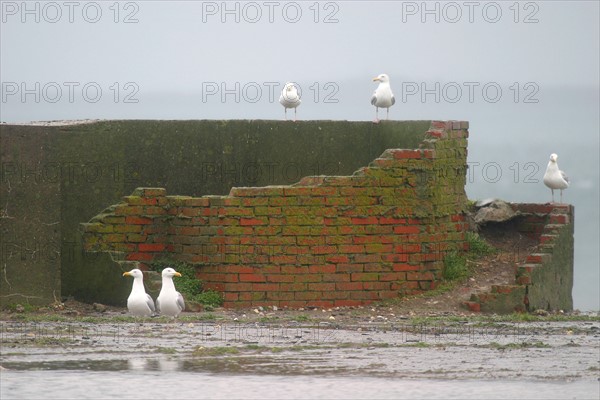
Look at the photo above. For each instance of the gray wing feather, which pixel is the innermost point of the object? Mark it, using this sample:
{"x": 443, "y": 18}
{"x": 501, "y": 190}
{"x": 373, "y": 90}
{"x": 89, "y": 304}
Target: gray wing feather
{"x": 158, "y": 306}
{"x": 565, "y": 177}
{"x": 150, "y": 302}
{"x": 373, "y": 99}
{"x": 180, "y": 302}
{"x": 393, "y": 100}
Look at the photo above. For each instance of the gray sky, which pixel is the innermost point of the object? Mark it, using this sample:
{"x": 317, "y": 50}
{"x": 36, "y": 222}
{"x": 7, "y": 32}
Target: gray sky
{"x": 525, "y": 74}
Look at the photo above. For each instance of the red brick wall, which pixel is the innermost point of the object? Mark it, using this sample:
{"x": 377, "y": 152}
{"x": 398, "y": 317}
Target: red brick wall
{"x": 325, "y": 241}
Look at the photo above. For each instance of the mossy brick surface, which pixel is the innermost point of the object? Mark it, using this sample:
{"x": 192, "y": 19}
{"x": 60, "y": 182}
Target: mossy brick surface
{"x": 353, "y": 222}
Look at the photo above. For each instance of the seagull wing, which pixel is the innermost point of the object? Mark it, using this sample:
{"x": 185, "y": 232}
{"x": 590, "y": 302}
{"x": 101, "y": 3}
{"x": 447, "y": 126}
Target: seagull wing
{"x": 158, "y": 306}
{"x": 564, "y": 176}
{"x": 150, "y": 302}
{"x": 393, "y": 100}
{"x": 180, "y": 302}
{"x": 374, "y": 99}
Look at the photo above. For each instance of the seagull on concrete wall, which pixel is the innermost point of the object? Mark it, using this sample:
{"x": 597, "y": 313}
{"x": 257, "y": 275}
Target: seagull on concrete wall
{"x": 383, "y": 96}
{"x": 290, "y": 98}
{"x": 554, "y": 178}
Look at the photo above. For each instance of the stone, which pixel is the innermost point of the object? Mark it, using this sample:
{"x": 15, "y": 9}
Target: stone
{"x": 495, "y": 210}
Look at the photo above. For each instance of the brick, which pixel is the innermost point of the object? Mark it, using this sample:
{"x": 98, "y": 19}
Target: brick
{"x": 349, "y": 286}
{"x": 139, "y": 257}
{"x": 131, "y": 220}
{"x": 294, "y": 270}
{"x": 364, "y": 276}
{"x": 252, "y": 278}
{"x": 351, "y": 249}
{"x": 144, "y": 247}
{"x": 392, "y": 221}
{"x": 347, "y": 303}
{"x": 333, "y": 277}
{"x": 253, "y": 221}
{"x": 280, "y": 278}
{"x": 407, "y": 229}
{"x": 340, "y": 258}
{"x": 293, "y": 287}
{"x": 345, "y": 268}
{"x": 322, "y": 269}
{"x": 265, "y": 287}
{"x": 365, "y": 221}
{"x": 324, "y": 249}
{"x": 308, "y": 278}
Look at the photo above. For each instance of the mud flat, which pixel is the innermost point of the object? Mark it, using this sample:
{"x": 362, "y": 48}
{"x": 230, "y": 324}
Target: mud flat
{"x": 316, "y": 342}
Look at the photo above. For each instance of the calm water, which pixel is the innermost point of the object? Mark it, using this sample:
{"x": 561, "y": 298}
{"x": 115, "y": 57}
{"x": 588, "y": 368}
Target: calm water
{"x": 132, "y": 384}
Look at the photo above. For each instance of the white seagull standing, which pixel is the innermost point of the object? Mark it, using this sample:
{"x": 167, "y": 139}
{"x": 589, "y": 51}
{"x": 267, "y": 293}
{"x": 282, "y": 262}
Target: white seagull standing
{"x": 554, "y": 178}
{"x": 139, "y": 303}
{"x": 290, "y": 98}
{"x": 383, "y": 96}
{"x": 170, "y": 301}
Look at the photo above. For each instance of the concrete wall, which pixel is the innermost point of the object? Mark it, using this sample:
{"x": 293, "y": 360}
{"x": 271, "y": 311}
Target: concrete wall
{"x": 55, "y": 177}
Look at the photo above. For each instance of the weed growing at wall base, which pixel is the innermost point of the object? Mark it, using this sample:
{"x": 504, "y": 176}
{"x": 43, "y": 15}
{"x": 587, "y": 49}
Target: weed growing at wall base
{"x": 455, "y": 264}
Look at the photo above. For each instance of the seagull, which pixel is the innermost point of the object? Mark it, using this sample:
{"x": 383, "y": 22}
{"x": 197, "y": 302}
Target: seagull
{"x": 383, "y": 96}
{"x": 554, "y": 178}
{"x": 290, "y": 98}
{"x": 139, "y": 303}
{"x": 170, "y": 301}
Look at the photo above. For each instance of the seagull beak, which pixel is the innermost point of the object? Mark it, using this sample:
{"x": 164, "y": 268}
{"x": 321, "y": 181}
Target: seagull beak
{"x": 126, "y": 274}
{"x": 177, "y": 274}
{"x": 376, "y": 79}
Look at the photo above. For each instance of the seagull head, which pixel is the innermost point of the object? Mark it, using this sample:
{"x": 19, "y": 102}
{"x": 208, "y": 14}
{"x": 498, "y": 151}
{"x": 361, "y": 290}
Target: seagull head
{"x": 553, "y": 157}
{"x": 135, "y": 273}
{"x": 290, "y": 87}
{"x": 381, "y": 78}
{"x": 170, "y": 272}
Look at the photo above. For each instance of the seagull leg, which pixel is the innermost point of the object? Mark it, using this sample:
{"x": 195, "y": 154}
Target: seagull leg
{"x": 561, "y": 202}
{"x": 285, "y": 113}
{"x": 376, "y": 115}
{"x": 387, "y": 116}
{"x": 552, "y": 195}
{"x": 295, "y": 114}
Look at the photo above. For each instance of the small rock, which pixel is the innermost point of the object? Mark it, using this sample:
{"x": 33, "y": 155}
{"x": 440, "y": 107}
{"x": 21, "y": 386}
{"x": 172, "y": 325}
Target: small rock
{"x": 256, "y": 311}
{"x": 331, "y": 317}
{"x": 542, "y": 313}
{"x": 275, "y": 308}
{"x": 19, "y": 308}
{"x": 99, "y": 307}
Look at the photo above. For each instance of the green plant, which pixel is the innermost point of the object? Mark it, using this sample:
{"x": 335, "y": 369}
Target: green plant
{"x": 210, "y": 298}
{"x": 455, "y": 267}
{"x": 455, "y": 263}
{"x": 478, "y": 247}
{"x": 188, "y": 285}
